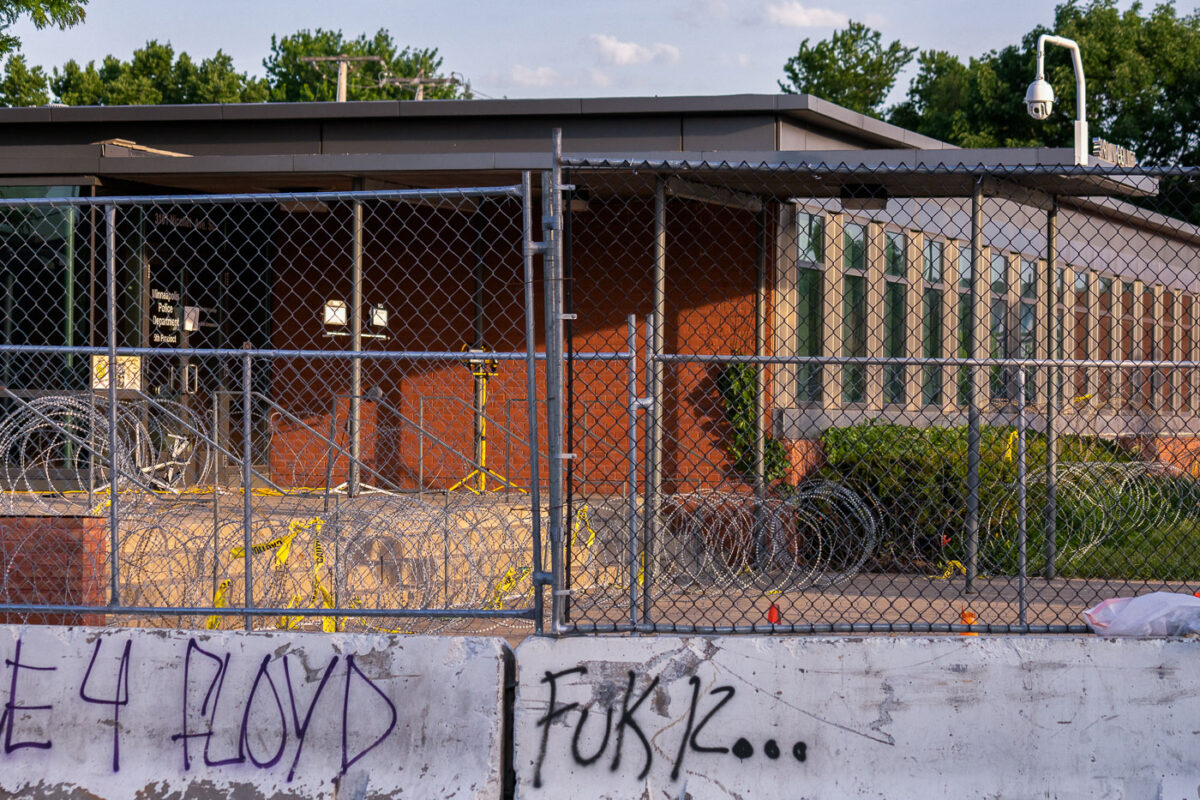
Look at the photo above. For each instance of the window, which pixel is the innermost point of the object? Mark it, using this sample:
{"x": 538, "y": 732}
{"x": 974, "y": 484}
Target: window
{"x": 895, "y": 315}
{"x": 854, "y": 311}
{"x": 1150, "y": 350}
{"x": 931, "y": 346}
{"x": 1079, "y": 306}
{"x": 1131, "y": 389}
{"x": 810, "y": 239}
{"x": 966, "y": 319}
{"x": 894, "y": 259}
{"x": 1105, "y": 350}
{"x": 854, "y": 337}
{"x": 932, "y": 268}
{"x": 1027, "y": 324}
{"x": 894, "y": 319}
{"x": 933, "y": 273}
{"x": 1002, "y": 379}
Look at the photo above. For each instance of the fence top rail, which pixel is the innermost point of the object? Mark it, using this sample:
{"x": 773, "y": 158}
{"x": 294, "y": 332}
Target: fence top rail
{"x": 910, "y": 166}
{"x": 404, "y": 195}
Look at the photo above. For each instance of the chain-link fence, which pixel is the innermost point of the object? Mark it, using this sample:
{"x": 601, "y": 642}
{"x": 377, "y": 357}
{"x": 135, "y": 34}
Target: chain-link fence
{"x": 298, "y": 411}
{"x": 876, "y": 395}
{"x": 879, "y": 396}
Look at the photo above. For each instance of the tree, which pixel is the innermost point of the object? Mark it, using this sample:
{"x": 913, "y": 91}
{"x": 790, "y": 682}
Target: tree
{"x": 1141, "y": 85}
{"x": 154, "y": 75}
{"x": 43, "y": 13}
{"x": 852, "y": 68}
{"x": 294, "y": 80}
{"x": 23, "y": 85}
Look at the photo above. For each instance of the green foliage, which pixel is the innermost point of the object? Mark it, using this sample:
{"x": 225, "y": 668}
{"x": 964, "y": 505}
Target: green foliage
{"x": 917, "y": 480}
{"x": 738, "y": 385}
{"x": 154, "y": 75}
{"x": 23, "y": 85}
{"x": 1141, "y": 84}
{"x": 852, "y": 68}
{"x": 294, "y": 80}
{"x": 42, "y": 13}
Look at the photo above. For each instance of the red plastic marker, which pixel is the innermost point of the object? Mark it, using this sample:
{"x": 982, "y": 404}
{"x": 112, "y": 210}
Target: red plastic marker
{"x": 773, "y": 614}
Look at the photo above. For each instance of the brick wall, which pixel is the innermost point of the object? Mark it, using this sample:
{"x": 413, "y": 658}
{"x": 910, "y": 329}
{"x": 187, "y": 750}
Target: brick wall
{"x": 53, "y": 561}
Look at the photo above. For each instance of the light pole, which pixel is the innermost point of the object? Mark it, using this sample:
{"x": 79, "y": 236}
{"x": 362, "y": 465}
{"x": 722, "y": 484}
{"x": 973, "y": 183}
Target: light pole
{"x": 1039, "y": 98}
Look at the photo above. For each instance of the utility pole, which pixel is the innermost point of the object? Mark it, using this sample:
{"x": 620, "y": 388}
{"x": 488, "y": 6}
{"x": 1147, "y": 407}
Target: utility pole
{"x": 420, "y": 82}
{"x": 343, "y": 68}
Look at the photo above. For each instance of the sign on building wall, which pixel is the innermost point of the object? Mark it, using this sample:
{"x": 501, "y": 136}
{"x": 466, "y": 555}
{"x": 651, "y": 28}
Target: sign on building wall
{"x": 165, "y": 320}
{"x": 154, "y": 714}
{"x": 128, "y": 373}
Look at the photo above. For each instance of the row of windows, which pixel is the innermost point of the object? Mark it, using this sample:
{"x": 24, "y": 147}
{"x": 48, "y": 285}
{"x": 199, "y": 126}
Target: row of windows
{"x": 1108, "y": 326}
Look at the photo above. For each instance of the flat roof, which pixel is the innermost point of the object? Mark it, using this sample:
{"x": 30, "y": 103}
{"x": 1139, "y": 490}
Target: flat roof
{"x": 799, "y": 107}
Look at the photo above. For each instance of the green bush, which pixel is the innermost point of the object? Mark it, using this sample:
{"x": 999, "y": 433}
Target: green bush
{"x": 916, "y": 478}
{"x": 738, "y": 384}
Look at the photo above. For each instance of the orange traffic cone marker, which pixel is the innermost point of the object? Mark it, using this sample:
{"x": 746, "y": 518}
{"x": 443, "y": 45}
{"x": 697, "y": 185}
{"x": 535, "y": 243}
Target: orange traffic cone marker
{"x": 968, "y": 618}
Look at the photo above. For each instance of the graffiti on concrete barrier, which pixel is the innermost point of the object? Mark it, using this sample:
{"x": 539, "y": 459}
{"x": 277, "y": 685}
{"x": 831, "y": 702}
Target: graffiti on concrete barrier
{"x": 624, "y": 735}
{"x": 256, "y": 719}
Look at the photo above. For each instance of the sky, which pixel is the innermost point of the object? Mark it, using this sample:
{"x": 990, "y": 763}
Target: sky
{"x": 569, "y": 48}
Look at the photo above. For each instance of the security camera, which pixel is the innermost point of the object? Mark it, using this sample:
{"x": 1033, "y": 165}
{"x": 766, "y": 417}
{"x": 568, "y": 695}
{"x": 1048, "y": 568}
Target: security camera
{"x": 1039, "y": 99}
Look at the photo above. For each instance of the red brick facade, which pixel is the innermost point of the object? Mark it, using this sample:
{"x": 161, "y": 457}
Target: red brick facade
{"x": 53, "y": 561}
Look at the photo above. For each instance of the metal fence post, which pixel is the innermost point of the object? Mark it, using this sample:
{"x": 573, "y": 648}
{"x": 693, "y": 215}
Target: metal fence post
{"x": 978, "y": 278}
{"x": 1022, "y": 497}
{"x": 654, "y": 429}
{"x": 1053, "y": 390}
{"x": 114, "y": 539}
{"x": 528, "y": 251}
{"x": 247, "y": 542}
{"x": 631, "y": 466}
{"x": 552, "y": 227}
{"x": 356, "y": 302}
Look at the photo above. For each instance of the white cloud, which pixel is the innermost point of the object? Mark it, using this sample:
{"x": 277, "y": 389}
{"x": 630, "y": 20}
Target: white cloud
{"x": 622, "y": 54}
{"x": 791, "y": 14}
{"x": 521, "y": 75}
{"x": 598, "y": 79}
{"x": 701, "y": 12}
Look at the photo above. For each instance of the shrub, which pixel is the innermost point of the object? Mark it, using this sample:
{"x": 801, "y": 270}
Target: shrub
{"x": 738, "y": 384}
{"x": 916, "y": 479}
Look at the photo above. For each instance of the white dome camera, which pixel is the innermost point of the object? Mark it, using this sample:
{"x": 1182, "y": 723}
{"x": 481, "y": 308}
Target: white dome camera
{"x": 1039, "y": 99}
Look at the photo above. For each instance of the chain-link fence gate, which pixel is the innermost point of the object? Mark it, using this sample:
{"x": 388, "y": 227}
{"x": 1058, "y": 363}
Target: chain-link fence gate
{"x": 878, "y": 395}
{"x": 309, "y": 410}
{"x": 690, "y": 396}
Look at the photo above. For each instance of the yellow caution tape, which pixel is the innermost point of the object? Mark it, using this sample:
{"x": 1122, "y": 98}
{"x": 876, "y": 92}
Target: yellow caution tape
{"x": 219, "y": 601}
{"x": 951, "y": 568}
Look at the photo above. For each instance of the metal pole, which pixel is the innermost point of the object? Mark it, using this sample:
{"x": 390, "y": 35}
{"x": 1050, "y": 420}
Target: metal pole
{"x": 552, "y": 226}
{"x": 978, "y": 276}
{"x": 216, "y": 496}
{"x": 1021, "y": 497}
{"x": 247, "y": 543}
{"x": 654, "y": 426}
{"x": 650, "y": 498}
{"x": 631, "y": 465}
{"x": 114, "y": 546}
{"x": 356, "y": 302}
{"x": 1053, "y": 390}
{"x": 760, "y": 379}
{"x": 569, "y": 420}
{"x": 479, "y": 371}
{"x": 531, "y": 393}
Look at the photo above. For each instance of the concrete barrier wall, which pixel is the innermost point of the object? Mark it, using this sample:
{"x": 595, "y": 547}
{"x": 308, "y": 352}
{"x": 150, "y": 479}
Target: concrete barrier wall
{"x": 960, "y": 717}
{"x": 150, "y": 713}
